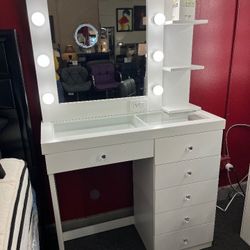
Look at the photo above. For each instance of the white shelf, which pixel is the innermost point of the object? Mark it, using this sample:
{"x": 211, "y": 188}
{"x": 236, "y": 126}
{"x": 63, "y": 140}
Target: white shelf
{"x": 181, "y": 109}
{"x": 180, "y": 68}
{"x": 180, "y": 22}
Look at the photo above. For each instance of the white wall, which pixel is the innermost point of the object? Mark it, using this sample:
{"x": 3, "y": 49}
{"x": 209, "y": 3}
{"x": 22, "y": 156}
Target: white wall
{"x": 68, "y": 14}
{"x": 107, "y": 14}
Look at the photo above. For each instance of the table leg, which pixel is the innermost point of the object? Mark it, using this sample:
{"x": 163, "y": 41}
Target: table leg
{"x": 56, "y": 211}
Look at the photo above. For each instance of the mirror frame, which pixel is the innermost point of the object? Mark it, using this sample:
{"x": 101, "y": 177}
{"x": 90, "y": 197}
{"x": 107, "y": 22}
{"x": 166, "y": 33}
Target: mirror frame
{"x": 76, "y": 33}
{"x": 46, "y": 78}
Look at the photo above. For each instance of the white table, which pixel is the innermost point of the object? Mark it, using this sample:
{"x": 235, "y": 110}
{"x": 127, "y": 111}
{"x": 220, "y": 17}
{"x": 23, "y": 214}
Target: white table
{"x": 175, "y": 173}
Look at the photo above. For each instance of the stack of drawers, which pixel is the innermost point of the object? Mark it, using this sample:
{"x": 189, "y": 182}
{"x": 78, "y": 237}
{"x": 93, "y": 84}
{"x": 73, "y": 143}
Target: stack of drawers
{"x": 186, "y": 173}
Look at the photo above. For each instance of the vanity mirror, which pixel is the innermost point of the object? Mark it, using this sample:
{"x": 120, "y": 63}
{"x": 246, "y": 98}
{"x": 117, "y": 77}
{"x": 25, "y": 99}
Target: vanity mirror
{"x": 92, "y": 57}
{"x": 86, "y": 36}
{"x": 124, "y": 52}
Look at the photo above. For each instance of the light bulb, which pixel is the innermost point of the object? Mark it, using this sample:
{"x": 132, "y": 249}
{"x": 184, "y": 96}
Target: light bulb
{"x": 43, "y": 61}
{"x": 38, "y": 19}
{"x": 158, "y": 90}
{"x": 158, "y": 56}
{"x": 48, "y": 98}
{"x": 159, "y": 19}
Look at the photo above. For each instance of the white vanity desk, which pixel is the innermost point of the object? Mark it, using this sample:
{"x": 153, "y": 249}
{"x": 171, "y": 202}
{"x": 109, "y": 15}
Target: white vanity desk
{"x": 176, "y": 167}
{"x": 176, "y": 161}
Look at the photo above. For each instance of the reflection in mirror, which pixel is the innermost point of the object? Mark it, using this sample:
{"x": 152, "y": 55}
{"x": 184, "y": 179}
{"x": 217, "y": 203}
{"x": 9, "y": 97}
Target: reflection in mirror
{"x": 98, "y": 60}
{"x": 86, "y": 36}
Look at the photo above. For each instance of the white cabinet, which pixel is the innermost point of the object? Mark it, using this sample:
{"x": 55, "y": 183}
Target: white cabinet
{"x": 180, "y": 211}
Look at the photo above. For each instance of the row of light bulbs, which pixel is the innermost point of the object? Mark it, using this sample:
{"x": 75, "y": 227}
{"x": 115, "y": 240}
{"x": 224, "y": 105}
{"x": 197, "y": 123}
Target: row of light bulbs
{"x": 38, "y": 19}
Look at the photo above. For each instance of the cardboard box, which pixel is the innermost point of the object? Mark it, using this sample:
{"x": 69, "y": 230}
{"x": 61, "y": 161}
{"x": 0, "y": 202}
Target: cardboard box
{"x": 183, "y": 10}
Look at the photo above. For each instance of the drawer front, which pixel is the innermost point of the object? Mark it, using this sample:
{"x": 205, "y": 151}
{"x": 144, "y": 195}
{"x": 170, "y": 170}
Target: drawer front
{"x": 184, "y": 218}
{"x": 186, "y": 172}
{"x": 186, "y": 147}
{"x": 80, "y": 159}
{"x": 186, "y": 238}
{"x": 185, "y": 196}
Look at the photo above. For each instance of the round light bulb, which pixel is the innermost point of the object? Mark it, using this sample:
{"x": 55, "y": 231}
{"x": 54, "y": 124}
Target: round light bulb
{"x": 48, "y": 98}
{"x": 158, "y": 56}
{"x": 43, "y": 61}
{"x": 158, "y": 90}
{"x": 38, "y": 19}
{"x": 159, "y": 19}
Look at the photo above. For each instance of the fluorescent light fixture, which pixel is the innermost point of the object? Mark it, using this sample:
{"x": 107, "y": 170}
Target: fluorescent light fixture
{"x": 159, "y": 19}
{"x": 48, "y": 98}
{"x": 43, "y": 61}
{"x": 158, "y": 90}
{"x": 38, "y": 19}
{"x": 158, "y": 56}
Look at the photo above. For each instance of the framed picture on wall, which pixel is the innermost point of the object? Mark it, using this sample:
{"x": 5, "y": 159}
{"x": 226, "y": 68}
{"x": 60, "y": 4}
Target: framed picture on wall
{"x": 124, "y": 19}
{"x": 139, "y": 17}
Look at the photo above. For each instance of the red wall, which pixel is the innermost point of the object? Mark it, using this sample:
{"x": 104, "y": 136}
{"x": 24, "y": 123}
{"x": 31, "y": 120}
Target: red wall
{"x": 223, "y": 88}
{"x": 13, "y": 16}
{"x": 213, "y": 47}
{"x": 238, "y": 109}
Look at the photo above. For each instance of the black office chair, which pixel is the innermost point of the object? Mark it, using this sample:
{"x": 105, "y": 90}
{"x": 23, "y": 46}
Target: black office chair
{"x": 127, "y": 88}
{"x": 75, "y": 80}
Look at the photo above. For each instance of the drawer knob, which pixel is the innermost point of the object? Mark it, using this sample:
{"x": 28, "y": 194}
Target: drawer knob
{"x": 188, "y": 197}
{"x": 187, "y": 220}
{"x": 190, "y": 148}
{"x": 103, "y": 157}
{"x": 185, "y": 241}
{"x": 189, "y": 173}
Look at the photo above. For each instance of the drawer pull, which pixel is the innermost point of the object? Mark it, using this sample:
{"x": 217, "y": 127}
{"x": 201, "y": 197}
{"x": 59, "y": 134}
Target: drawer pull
{"x": 188, "y": 197}
{"x": 103, "y": 157}
{"x": 189, "y": 148}
{"x": 189, "y": 173}
{"x": 186, "y": 220}
{"x": 185, "y": 241}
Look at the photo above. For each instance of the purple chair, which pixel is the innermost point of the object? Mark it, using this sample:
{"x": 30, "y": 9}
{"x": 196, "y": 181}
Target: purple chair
{"x": 103, "y": 75}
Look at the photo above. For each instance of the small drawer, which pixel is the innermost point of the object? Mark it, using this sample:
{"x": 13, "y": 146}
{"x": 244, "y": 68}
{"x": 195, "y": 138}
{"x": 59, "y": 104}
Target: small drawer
{"x": 86, "y": 158}
{"x": 185, "y": 239}
{"x": 186, "y": 172}
{"x": 184, "y": 218}
{"x": 186, "y": 147}
{"x": 185, "y": 196}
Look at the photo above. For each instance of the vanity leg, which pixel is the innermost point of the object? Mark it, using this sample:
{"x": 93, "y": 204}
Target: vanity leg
{"x": 56, "y": 212}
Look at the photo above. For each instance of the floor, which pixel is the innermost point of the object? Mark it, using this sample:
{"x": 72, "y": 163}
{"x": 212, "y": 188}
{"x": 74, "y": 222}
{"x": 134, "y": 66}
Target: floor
{"x": 226, "y": 235}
